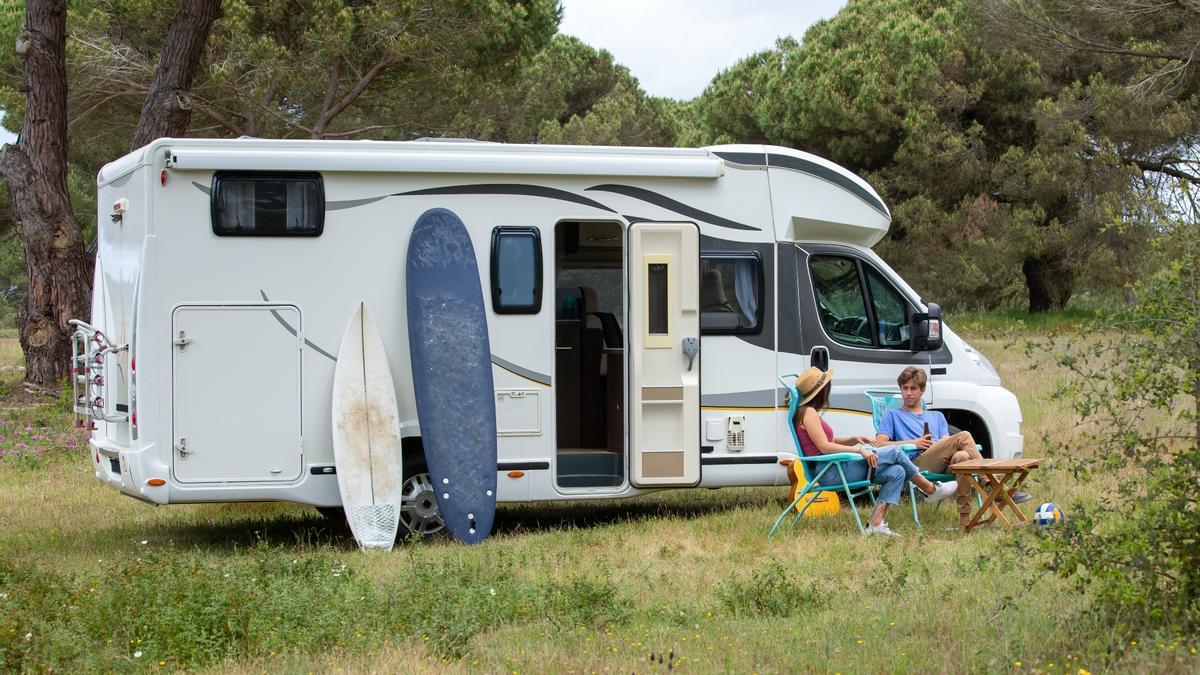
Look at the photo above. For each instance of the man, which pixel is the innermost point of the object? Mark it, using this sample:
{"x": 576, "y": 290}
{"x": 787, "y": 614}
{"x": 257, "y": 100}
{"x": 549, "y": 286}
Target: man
{"x": 928, "y": 430}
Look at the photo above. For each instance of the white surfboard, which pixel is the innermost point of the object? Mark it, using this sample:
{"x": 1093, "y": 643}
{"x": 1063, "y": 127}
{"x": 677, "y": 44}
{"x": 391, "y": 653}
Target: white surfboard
{"x": 366, "y": 435}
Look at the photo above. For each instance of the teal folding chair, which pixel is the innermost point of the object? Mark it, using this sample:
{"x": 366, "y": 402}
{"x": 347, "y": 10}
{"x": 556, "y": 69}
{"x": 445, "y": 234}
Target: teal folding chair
{"x": 881, "y": 400}
{"x": 816, "y": 468}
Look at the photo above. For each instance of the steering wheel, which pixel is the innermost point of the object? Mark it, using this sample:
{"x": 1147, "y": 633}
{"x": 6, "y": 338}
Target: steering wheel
{"x": 851, "y": 325}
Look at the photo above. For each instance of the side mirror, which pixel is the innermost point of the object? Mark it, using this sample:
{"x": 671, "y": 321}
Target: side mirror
{"x": 926, "y": 329}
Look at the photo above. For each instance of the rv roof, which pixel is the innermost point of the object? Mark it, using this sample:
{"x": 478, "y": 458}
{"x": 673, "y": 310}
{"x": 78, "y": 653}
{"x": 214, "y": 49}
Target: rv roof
{"x": 455, "y": 156}
{"x": 420, "y": 157}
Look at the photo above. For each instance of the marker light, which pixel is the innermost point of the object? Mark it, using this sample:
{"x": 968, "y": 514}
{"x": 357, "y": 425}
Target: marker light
{"x": 162, "y": 177}
{"x": 515, "y": 474}
{"x": 156, "y": 482}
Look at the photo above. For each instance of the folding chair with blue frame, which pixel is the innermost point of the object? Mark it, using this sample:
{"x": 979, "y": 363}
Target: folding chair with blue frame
{"x": 881, "y": 401}
{"x": 819, "y": 467}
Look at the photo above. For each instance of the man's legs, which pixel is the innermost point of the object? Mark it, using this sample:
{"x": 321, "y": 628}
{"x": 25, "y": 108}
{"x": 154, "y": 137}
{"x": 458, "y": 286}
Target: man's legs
{"x": 963, "y": 496}
{"x": 941, "y": 454}
{"x": 951, "y": 450}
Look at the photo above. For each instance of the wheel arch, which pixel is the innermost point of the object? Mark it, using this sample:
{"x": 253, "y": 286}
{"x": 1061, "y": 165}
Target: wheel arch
{"x": 965, "y": 420}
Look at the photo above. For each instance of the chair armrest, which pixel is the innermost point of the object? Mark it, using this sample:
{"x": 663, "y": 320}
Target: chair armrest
{"x": 833, "y": 457}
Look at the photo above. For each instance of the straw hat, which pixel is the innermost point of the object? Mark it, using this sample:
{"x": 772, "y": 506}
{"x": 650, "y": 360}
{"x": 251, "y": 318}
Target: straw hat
{"x": 810, "y": 382}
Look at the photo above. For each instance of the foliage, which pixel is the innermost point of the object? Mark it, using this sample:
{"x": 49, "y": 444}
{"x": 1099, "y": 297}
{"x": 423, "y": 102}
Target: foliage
{"x": 1015, "y": 167}
{"x": 568, "y": 93}
{"x": 1138, "y": 394}
{"x": 770, "y": 591}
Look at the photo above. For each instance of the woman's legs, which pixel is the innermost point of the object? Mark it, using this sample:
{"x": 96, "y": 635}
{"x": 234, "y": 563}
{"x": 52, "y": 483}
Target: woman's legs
{"x": 893, "y": 455}
{"x": 891, "y": 479}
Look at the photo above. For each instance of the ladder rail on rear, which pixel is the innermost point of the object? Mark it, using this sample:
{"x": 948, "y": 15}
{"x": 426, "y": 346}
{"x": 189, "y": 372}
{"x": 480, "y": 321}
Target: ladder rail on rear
{"x": 90, "y": 349}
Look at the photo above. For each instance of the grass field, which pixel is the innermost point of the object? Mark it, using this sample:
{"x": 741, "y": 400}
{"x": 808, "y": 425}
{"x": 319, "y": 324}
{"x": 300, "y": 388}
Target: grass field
{"x": 92, "y": 581}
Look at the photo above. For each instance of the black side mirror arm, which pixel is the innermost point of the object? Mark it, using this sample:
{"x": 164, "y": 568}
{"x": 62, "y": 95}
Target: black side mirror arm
{"x": 925, "y": 329}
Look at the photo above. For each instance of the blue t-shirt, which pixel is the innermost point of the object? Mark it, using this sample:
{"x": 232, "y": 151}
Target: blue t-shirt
{"x": 900, "y": 425}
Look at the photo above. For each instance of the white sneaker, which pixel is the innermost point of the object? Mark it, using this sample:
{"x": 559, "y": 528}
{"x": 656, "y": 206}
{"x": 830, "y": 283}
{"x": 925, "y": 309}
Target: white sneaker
{"x": 880, "y": 529}
{"x": 942, "y": 491}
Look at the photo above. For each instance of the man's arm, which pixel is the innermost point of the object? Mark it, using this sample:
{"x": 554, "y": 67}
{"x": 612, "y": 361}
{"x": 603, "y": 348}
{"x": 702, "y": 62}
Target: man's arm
{"x": 941, "y": 428}
{"x": 887, "y": 429}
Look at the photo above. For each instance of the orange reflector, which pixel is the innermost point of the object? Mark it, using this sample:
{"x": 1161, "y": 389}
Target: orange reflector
{"x": 785, "y": 462}
{"x": 515, "y": 474}
{"x": 156, "y": 482}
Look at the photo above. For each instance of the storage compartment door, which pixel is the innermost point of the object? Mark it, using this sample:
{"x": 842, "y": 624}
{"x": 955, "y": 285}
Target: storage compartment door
{"x": 236, "y": 408}
{"x": 664, "y": 366}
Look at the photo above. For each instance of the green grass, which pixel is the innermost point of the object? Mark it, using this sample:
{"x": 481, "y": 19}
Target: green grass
{"x": 93, "y": 581}
{"x": 1019, "y": 322}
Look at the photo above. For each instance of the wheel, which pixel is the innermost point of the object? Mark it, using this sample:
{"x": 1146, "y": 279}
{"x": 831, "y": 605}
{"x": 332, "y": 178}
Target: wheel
{"x": 418, "y": 505}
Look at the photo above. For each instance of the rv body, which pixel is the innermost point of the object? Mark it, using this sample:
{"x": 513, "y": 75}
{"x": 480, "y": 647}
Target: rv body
{"x": 227, "y": 269}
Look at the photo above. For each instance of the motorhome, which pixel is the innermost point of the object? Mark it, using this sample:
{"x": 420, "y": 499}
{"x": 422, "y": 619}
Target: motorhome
{"x": 641, "y": 304}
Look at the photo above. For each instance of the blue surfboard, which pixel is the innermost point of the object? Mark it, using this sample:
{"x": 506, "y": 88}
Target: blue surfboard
{"x": 452, "y": 373}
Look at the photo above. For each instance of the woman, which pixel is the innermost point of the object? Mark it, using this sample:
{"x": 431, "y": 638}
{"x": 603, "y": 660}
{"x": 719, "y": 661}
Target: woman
{"x": 892, "y": 466}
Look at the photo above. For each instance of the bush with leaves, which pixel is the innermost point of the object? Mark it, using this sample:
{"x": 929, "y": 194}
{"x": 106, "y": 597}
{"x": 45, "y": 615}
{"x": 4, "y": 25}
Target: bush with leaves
{"x": 1138, "y": 394}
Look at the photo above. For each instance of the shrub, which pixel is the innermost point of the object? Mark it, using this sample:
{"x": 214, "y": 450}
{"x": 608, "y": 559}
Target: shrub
{"x": 769, "y": 592}
{"x": 1138, "y": 396}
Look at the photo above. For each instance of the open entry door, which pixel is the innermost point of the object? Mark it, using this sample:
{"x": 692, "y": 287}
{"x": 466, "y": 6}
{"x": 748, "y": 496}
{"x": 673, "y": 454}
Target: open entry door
{"x": 664, "y": 354}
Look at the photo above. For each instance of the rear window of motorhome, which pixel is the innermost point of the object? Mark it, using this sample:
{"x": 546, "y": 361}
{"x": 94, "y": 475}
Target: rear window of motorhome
{"x": 516, "y": 270}
{"x": 731, "y": 293}
{"x": 256, "y": 204}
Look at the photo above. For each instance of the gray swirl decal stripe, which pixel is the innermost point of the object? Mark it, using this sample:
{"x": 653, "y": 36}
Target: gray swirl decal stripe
{"x": 523, "y": 372}
{"x": 291, "y": 330}
{"x": 508, "y": 189}
{"x": 740, "y": 399}
{"x": 809, "y": 167}
{"x": 665, "y": 202}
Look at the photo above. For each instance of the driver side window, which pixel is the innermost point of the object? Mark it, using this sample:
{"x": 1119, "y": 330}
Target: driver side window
{"x": 840, "y": 300}
{"x": 857, "y": 305}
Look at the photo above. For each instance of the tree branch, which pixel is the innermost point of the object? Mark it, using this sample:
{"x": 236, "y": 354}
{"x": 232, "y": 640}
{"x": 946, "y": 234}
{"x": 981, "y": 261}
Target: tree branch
{"x": 1165, "y": 166}
{"x": 211, "y": 113}
{"x": 328, "y": 114}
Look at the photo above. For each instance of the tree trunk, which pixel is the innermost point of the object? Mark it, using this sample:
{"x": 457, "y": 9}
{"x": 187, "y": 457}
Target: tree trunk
{"x": 168, "y": 107}
{"x": 1050, "y": 283}
{"x": 35, "y": 170}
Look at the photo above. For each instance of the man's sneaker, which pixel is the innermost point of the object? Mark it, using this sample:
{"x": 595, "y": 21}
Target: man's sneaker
{"x": 1019, "y": 497}
{"x": 880, "y": 529}
{"x": 942, "y": 491}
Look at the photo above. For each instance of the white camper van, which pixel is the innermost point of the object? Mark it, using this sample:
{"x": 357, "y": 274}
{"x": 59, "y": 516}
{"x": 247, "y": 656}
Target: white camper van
{"x": 227, "y": 270}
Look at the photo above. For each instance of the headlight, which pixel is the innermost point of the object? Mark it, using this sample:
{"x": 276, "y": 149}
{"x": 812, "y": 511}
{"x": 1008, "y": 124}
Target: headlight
{"x": 981, "y": 361}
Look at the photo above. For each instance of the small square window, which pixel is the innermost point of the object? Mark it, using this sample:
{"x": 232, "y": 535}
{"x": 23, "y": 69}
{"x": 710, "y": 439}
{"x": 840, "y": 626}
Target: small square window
{"x": 254, "y": 204}
{"x": 516, "y": 270}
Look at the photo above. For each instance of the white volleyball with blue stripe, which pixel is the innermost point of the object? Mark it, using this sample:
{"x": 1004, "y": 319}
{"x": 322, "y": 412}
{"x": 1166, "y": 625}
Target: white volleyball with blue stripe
{"x": 1049, "y": 514}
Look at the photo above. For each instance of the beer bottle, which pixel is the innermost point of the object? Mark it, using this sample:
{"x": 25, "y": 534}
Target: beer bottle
{"x": 927, "y": 428}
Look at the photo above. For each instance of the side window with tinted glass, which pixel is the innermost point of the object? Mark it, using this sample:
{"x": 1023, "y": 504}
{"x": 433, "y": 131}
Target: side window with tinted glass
{"x": 891, "y": 312}
{"x": 731, "y": 293}
{"x": 840, "y": 300}
{"x": 516, "y": 270}
{"x": 267, "y": 204}
{"x": 874, "y": 316}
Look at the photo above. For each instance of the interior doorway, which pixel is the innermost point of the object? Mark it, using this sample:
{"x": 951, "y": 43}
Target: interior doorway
{"x": 589, "y": 378}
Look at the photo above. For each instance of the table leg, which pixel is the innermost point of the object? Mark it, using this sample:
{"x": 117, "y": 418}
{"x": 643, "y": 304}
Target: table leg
{"x": 988, "y": 498}
{"x": 1020, "y": 478}
{"x": 998, "y": 490}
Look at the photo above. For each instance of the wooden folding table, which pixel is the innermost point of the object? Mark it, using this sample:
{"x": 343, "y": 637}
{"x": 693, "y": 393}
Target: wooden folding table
{"x": 997, "y": 493}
